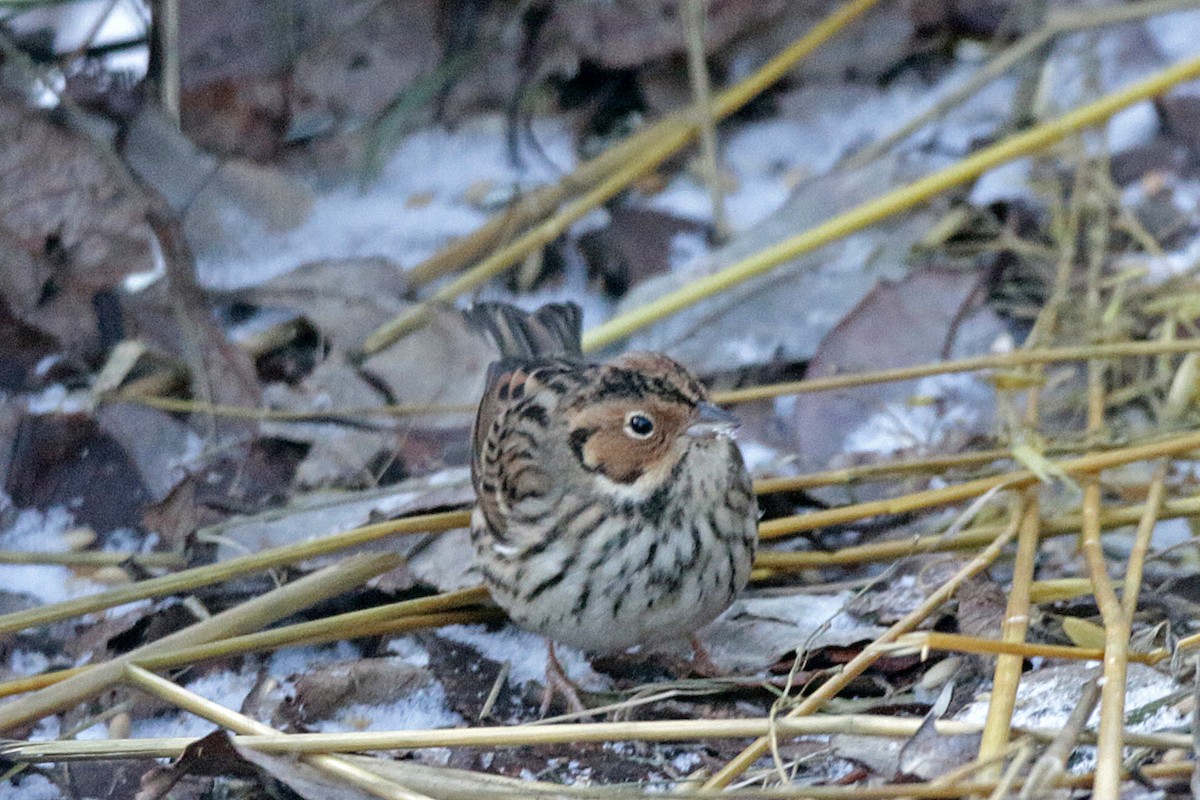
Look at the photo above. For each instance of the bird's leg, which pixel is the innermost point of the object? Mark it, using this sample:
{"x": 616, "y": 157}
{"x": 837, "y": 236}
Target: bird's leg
{"x": 557, "y": 682}
{"x": 702, "y": 663}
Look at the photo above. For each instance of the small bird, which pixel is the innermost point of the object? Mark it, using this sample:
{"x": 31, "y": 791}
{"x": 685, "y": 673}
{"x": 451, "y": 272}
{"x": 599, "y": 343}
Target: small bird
{"x": 614, "y": 508}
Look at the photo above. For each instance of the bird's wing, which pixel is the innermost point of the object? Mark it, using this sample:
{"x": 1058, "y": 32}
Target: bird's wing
{"x": 511, "y": 447}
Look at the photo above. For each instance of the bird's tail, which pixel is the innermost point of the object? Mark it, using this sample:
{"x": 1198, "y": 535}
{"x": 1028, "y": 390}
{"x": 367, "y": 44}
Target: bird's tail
{"x": 554, "y": 330}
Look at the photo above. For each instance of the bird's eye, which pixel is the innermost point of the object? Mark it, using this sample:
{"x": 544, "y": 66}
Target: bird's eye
{"x": 639, "y": 426}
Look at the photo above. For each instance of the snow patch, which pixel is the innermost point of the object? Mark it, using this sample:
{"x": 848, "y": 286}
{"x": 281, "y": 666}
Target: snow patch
{"x": 291, "y": 661}
{"x": 420, "y": 202}
{"x": 526, "y": 654}
{"x": 226, "y": 688}
{"x": 29, "y": 787}
{"x": 948, "y": 403}
{"x": 422, "y": 709}
{"x": 42, "y": 531}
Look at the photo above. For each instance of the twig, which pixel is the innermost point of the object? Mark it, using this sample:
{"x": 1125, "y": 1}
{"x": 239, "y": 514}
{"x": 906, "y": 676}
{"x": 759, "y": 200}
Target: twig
{"x": 1091, "y": 462}
{"x": 1063, "y": 525}
{"x": 695, "y": 14}
{"x": 1011, "y": 360}
{"x": 1117, "y": 625}
{"x": 93, "y": 558}
{"x": 924, "y": 642}
{"x": 407, "y": 615}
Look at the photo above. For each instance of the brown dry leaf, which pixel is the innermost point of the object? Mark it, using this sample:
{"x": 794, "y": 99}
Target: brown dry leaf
{"x": 757, "y": 631}
{"x": 176, "y": 516}
{"x": 71, "y": 226}
{"x": 327, "y": 689}
{"x": 22, "y": 348}
{"x": 322, "y": 513}
{"x": 442, "y": 363}
{"x": 782, "y": 315}
{"x": 635, "y": 245}
{"x": 214, "y": 754}
{"x": 339, "y": 454}
{"x": 345, "y": 299}
{"x": 981, "y": 607}
{"x": 362, "y": 56}
{"x": 913, "y": 321}
{"x": 233, "y": 64}
{"x": 929, "y": 754}
{"x": 246, "y": 117}
{"x": 622, "y": 34}
{"x": 67, "y": 460}
{"x": 161, "y": 447}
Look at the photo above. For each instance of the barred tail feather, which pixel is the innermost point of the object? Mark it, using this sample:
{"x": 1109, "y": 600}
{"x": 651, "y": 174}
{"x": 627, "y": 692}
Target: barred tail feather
{"x": 554, "y": 330}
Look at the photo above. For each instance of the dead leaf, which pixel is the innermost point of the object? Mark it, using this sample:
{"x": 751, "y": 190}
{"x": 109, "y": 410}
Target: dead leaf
{"x": 782, "y": 316}
{"x": 212, "y": 755}
{"x": 928, "y": 754}
{"x": 321, "y": 513}
{"x": 321, "y": 692}
{"x": 71, "y": 226}
{"x": 1083, "y": 633}
{"x": 981, "y": 607}
{"x": 233, "y": 70}
{"x": 443, "y": 363}
{"x": 756, "y": 631}
{"x": 909, "y": 322}
{"x": 161, "y": 447}
{"x": 67, "y": 460}
{"x": 340, "y": 454}
{"x": 622, "y": 34}
{"x": 360, "y": 59}
{"x": 635, "y": 245}
{"x": 345, "y": 299}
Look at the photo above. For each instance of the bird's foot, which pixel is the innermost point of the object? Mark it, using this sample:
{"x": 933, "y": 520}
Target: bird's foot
{"x": 702, "y": 664}
{"x": 557, "y": 683}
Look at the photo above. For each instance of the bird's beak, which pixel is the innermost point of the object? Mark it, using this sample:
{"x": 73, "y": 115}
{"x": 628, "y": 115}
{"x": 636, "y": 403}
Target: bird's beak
{"x": 712, "y": 422}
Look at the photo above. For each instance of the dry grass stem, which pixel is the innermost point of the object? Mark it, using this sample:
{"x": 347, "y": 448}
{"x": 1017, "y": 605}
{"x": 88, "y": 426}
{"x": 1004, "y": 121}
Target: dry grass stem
{"x": 859, "y": 664}
{"x": 333, "y": 766}
{"x": 1010, "y": 360}
{"x": 1052, "y": 763}
{"x": 924, "y": 642}
{"x": 391, "y": 619}
{"x": 94, "y": 558}
{"x": 1091, "y": 462}
{"x": 652, "y": 149}
{"x": 528, "y": 735}
{"x": 249, "y": 616}
{"x": 177, "y": 405}
{"x": 977, "y": 536}
{"x": 695, "y": 24}
{"x": 196, "y": 577}
{"x": 1007, "y": 674}
{"x": 881, "y": 208}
